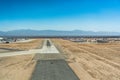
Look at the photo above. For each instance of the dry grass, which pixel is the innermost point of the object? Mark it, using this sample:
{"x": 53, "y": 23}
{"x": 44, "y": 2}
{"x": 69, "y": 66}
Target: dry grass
{"x": 92, "y": 61}
{"x": 23, "y": 46}
{"x": 16, "y": 67}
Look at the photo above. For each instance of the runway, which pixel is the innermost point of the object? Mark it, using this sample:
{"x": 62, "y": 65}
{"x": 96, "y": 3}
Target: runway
{"x": 52, "y": 66}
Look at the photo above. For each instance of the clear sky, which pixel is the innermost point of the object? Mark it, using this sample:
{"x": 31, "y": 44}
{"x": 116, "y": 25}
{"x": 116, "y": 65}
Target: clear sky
{"x": 93, "y": 15}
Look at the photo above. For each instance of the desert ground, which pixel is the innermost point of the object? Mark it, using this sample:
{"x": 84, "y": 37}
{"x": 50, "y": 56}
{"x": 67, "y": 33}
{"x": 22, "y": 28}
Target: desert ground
{"x": 23, "y": 45}
{"x": 92, "y": 61}
{"x": 88, "y": 61}
{"x": 16, "y": 67}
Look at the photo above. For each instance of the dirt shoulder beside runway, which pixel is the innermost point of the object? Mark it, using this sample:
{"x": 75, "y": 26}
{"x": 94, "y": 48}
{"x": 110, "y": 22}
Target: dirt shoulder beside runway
{"x": 23, "y": 46}
{"x": 92, "y": 61}
{"x": 17, "y": 67}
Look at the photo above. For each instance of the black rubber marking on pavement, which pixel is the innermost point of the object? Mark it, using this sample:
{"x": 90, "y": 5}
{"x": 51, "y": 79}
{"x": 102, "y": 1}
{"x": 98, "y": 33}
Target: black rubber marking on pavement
{"x": 53, "y": 70}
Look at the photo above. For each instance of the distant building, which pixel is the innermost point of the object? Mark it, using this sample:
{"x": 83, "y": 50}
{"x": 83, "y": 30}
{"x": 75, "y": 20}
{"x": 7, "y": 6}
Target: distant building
{"x": 1, "y": 38}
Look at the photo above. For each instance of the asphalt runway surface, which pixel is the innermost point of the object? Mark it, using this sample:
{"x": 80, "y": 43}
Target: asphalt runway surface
{"x": 53, "y": 70}
{"x": 4, "y": 50}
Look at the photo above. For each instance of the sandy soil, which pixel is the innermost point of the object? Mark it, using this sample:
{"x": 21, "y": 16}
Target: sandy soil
{"x": 23, "y": 46}
{"x": 17, "y": 67}
{"x": 92, "y": 61}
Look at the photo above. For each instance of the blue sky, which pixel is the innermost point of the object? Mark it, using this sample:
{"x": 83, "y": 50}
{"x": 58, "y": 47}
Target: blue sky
{"x": 93, "y": 15}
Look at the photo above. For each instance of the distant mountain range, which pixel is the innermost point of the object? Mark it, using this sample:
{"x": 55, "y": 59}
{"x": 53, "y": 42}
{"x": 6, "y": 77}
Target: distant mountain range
{"x": 56, "y": 33}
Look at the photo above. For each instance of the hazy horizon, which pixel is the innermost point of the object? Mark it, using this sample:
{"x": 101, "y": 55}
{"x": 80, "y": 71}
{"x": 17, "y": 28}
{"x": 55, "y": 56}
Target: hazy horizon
{"x": 87, "y": 15}
{"x": 56, "y": 30}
